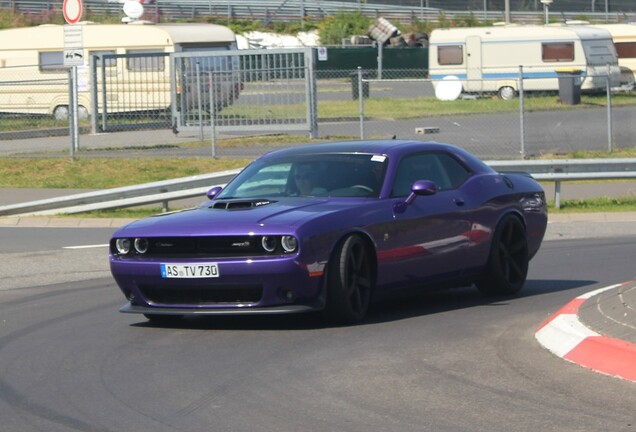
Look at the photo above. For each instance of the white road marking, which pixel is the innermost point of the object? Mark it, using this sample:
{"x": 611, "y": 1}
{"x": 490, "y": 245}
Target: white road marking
{"x": 86, "y": 246}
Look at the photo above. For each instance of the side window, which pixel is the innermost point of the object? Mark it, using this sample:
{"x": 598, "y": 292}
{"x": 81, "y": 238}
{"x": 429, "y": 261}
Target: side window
{"x": 557, "y": 52}
{"x": 456, "y": 173}
{"x": 441, "y": 168}
{"x": 52, "y": 62}
{"x": 450, "y": 55}
{"x": 146, "y": 63}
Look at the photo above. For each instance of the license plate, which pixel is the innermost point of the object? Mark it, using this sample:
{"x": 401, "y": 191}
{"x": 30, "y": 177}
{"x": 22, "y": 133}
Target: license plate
{"x": 190, "y": 271}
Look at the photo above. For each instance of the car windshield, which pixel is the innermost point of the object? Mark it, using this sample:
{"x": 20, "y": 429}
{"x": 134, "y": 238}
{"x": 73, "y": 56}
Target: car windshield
{"x": 322, "y": 175}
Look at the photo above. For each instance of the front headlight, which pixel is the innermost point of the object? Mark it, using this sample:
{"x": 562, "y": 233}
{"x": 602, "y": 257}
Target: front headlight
{"x": 141, "y": 245}
{"x": 123, "y": 246}
{"x": 269, "y": 243}
{"x": 289, "y": 243}
{"x": 279, "y": 244}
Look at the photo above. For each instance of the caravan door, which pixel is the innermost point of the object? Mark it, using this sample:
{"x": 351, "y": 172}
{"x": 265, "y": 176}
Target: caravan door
{"x": 474, "y": 77}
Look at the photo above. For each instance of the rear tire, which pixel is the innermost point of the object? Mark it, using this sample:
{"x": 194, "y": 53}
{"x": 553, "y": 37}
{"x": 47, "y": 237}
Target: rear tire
{"x": 350, "y": 282}
{"x": 507, "y": 266}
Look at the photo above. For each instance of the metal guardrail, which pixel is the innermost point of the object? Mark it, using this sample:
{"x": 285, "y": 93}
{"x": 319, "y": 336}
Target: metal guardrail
{"x": 129, "y": 196}
{"x": 552, "y": 170}
{"x": 565, "y": 166}
{"x": 286, "y": 10}
{"x": 560, "y": 170}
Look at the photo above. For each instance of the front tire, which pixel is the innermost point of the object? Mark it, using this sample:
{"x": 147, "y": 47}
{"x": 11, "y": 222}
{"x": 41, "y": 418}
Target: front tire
{"x": 350, "y": 282}
{"x": 507, "y": 266}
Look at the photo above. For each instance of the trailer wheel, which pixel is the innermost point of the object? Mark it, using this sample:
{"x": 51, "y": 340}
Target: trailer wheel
{"x": 82, "y": 113}
{"x": 507, "y": 93}
{"x": 60, "y": 112}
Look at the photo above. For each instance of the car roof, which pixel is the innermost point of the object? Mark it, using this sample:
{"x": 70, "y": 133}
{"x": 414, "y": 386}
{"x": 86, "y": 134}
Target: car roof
{"x": 393, "y": 148}
{"x": 387, "y": 147}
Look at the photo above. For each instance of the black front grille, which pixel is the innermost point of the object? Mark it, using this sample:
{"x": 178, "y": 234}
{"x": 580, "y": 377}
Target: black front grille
{"x": 218, "y": 246}
{"x": 202, "y": 295}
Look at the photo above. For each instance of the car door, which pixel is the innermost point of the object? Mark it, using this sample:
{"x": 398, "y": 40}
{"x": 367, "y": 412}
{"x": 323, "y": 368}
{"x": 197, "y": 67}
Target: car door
{"x": 428, "y": 238}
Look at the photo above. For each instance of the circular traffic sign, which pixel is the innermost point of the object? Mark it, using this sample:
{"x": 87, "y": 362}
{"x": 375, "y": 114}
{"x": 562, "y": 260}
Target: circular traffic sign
{"x": 72, "y": 10}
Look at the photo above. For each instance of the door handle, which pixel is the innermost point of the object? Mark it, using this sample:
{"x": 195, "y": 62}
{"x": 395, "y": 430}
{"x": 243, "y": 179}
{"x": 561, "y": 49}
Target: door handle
{"x": 459, "y": 201}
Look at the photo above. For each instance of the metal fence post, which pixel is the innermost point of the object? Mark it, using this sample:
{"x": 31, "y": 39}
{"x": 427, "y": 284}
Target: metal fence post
{"x": 380, "y": 60}
{"x": 212, "y": 117}
{"x": 361, "y": 102}
{"x": 199, "y": 101}
{"x": 521, "y": 114}
{"x": 312, "y": 101}
{"x": 71, "y": 132}
{"x": 610, "y": 133}
{"x": 94, "y": 90}
{"x": 73, "y": 110}
{"x": 104, "y": 97}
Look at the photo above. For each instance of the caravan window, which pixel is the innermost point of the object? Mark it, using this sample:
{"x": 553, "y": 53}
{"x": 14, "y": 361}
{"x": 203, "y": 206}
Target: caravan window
{"x": 110, "y": 62}
{"x": 216, "y": 63}
{"x": 450, "y": 55}
{"x": 145, "y": 62}
{"x": 557, "y": 52}
{"x": 52, "y": 62}
{"x": 626, "y": 49}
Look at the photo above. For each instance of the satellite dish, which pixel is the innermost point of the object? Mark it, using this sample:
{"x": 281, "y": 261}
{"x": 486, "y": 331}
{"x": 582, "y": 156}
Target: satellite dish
{"x": 133, "y": 9}
{"x": 449, "y": 88}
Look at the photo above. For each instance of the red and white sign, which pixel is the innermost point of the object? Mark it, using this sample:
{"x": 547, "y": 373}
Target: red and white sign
{"x": 72, "y": 10}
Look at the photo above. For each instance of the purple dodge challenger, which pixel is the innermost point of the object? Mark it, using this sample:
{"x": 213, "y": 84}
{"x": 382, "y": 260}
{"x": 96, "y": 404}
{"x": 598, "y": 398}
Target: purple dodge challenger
{"x": 325, "y": 227}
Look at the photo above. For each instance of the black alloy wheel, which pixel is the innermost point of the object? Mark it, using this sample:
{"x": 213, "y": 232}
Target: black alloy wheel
{"x": 350, "y": 282}
{"x": 508, "y": 260}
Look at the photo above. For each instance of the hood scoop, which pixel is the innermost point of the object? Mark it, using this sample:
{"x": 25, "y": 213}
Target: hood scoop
{"x": 241, "y": 205}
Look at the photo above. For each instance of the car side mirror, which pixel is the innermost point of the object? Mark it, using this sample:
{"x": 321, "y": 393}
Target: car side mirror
{"x": 214, "y": 192}
{"x": 421, "y": 188}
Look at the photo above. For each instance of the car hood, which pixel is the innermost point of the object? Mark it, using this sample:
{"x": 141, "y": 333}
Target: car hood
{"x": 235, "y": 217}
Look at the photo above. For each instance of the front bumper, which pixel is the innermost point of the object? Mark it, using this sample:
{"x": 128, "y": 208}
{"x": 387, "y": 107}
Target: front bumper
{"x": 275, "y": 310}
{"x": 244, "y": 286}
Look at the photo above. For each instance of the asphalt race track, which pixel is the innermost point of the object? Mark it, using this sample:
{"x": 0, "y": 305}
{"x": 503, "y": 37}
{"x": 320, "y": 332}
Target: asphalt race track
{"x": 444, "y": 361}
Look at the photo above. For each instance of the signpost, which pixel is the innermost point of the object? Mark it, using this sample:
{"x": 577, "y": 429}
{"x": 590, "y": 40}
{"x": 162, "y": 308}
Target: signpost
{"x": 73, "y": 57}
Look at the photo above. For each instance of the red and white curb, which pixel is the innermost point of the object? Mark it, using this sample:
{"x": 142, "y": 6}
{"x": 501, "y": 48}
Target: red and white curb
{"x": 564, "y": 335}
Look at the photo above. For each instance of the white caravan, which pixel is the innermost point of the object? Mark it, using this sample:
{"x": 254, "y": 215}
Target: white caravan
{"x": 34, "y": 80}
{"x": 487, "y": 59}
{"x": 624, "y": 36}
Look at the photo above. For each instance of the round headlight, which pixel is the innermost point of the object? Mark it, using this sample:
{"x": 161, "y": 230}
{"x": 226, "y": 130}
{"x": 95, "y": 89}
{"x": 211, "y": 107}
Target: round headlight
{"x": 269, "y": 243}
{"x": 289, "y": 243}
{"x": 141, "y": 245}
{"x": 122, "y": 245}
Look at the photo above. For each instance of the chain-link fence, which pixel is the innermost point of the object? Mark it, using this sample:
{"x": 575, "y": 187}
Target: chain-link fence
{"x": 402, "y": 104}
{"x": 541, "y": 116}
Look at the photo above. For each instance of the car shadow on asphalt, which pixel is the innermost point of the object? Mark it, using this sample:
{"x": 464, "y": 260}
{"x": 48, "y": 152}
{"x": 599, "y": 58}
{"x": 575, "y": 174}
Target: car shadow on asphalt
{"x": 405, "y": 304}
{"x": 412, "y": 303}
